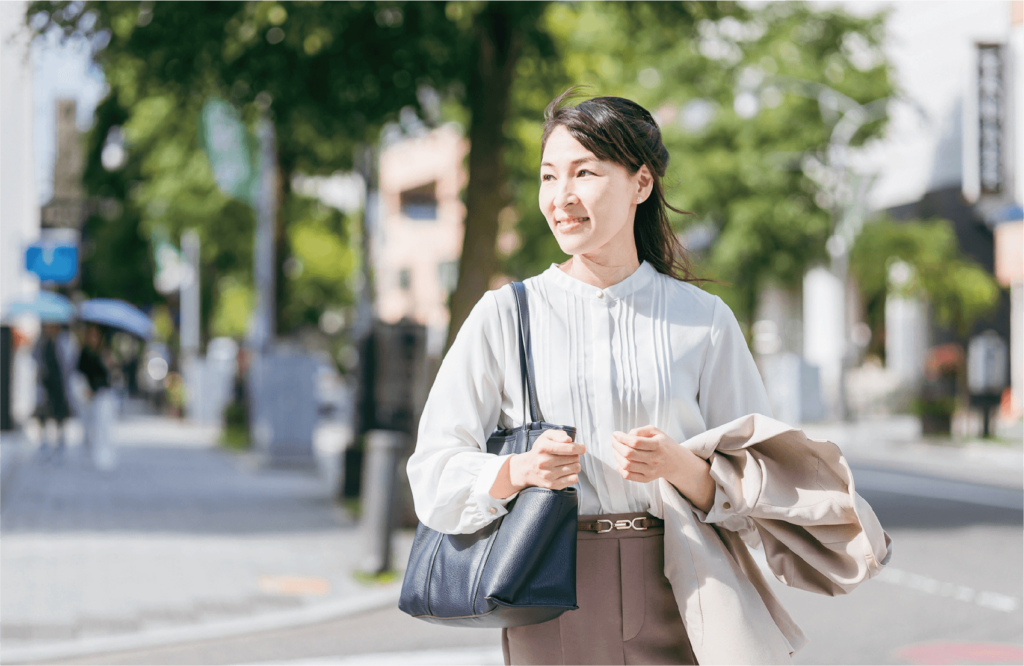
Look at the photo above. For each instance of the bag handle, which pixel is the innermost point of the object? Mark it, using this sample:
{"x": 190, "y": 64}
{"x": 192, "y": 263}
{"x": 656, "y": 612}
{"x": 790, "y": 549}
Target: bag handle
{"x": 526, "y": 355}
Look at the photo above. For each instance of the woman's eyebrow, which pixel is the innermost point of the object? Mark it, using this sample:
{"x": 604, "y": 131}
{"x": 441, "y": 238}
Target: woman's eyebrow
{"x": 573, "y": 164}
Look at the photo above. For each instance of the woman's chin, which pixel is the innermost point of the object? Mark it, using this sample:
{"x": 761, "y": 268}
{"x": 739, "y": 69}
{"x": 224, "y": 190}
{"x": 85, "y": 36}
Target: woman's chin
{"x": 568, "y": 246}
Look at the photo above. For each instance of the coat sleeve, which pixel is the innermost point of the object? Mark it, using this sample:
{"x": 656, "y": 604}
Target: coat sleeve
{"x": 450, "y": 471}
{"x": 798, "y": 494}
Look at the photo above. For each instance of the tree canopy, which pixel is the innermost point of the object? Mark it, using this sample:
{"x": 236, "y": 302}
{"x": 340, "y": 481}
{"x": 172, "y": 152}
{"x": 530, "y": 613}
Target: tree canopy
{"x": 746, "y": 95}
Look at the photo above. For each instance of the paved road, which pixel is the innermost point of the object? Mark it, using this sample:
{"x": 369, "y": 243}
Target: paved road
{"x": 952, "y": 594}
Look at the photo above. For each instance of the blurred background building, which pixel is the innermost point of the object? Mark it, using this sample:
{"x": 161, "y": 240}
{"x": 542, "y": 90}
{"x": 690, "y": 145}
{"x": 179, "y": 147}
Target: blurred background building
{"x": 19, "y": 194}
{"x": 417, "y": 245}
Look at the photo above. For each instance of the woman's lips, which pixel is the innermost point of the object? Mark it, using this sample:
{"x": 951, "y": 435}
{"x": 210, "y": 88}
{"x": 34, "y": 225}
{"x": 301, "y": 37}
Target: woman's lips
{"x": 570, "y": 224}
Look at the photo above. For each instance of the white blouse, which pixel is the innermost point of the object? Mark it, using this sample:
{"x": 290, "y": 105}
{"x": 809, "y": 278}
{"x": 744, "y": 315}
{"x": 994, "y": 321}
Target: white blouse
{"x": 650, "y": 350}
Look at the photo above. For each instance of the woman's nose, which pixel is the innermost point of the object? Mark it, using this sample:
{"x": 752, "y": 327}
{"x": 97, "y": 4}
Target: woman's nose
{"x": 565, "y": 197}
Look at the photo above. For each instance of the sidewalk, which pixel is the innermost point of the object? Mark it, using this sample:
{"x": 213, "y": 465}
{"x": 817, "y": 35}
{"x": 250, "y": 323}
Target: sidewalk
{"x": 181, "y": 541}
{"x": 895, "y": 443}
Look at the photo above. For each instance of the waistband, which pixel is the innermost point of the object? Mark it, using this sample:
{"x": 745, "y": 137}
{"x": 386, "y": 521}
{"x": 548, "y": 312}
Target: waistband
{"x": 620, "y": 526}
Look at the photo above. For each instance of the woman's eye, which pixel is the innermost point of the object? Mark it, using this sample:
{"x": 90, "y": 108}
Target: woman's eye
{"x": 583, "y": 172}
{"x": 547, "y": 176}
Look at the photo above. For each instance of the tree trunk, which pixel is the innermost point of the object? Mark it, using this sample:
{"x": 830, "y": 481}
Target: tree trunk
{"x": 499, "y": 44}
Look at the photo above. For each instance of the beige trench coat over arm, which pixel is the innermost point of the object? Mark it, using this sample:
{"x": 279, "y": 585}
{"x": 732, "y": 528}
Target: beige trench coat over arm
{"x": 793, "y": 495}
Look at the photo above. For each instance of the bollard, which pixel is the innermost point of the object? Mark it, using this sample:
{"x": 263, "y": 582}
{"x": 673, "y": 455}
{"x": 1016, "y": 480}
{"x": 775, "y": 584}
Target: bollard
{"x": 384, "y": 448}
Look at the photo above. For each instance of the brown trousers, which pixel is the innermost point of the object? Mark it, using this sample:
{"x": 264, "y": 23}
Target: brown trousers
{"x": 627, "y": 613}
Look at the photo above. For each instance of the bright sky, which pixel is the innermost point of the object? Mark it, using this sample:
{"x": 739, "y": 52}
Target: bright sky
{"x": 61, "y": 71}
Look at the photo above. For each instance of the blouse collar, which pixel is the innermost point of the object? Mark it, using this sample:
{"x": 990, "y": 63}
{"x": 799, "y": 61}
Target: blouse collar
{"x": 640, "y": 278}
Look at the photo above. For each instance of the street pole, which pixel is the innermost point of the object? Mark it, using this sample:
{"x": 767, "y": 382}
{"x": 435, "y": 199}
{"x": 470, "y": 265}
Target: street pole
{"x": 265, "y": 323}
{"x": 261, "y": 333}
{"x": 191, "y": 367}
{"x": 384, "y": 448}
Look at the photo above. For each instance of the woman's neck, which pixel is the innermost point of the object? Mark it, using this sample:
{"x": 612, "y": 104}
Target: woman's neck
{"x": 599, "y": 275}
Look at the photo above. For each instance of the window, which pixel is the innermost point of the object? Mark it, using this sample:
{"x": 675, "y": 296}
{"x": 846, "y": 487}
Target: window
{"x": 420, "y": 203}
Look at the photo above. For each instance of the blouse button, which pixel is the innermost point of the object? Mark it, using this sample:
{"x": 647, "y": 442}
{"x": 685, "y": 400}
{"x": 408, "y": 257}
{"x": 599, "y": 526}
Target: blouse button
{"x": 600, "y": 294}
{"x": 493, "y": 510}
{"x": 726, "y": 505}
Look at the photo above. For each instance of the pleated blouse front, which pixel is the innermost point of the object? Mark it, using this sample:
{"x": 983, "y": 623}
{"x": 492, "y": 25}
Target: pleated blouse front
{"x": 650, "y": 350}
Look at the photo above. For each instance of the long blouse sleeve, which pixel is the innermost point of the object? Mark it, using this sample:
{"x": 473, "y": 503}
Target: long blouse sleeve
{"x": 450, "y": 472}
{"x": 730, "y": 385}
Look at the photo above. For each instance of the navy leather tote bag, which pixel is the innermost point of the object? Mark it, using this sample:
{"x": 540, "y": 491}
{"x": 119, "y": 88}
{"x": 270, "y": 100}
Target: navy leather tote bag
{"x": 521, "y": 568}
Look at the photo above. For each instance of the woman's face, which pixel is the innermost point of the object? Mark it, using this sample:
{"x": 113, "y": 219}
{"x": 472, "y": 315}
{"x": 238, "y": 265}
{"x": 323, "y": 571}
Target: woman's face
{"x": 589, "y": 203}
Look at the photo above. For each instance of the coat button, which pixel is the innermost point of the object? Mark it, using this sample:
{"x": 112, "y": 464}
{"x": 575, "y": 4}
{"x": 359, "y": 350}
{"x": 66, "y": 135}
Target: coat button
{"x": 493, "y": 510}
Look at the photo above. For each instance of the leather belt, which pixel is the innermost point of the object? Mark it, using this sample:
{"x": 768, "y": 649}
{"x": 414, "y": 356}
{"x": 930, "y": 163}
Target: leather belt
{"x": 601, "y": 526}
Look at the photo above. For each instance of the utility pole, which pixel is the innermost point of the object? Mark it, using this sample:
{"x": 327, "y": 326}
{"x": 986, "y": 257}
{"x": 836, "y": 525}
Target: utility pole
{"x": 265, "y": 321}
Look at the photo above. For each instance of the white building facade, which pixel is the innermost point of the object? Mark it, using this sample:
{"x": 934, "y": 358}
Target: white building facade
{"x": 956, "y": 129}
{"x": 19, "y": 201}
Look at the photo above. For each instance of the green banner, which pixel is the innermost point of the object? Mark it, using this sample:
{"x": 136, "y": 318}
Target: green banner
{"x": 231, "y": 149}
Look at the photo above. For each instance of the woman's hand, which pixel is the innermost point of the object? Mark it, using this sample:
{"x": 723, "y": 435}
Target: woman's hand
{"x": 552, "y": 462}
{"x": 646, "y": 453}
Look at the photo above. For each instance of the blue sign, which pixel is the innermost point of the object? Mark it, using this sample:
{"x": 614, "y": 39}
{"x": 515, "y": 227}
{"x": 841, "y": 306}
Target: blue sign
{"x": 52, "y": 263}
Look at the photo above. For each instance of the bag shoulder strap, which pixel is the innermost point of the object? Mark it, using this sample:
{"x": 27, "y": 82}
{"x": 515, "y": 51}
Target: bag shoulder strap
{"x": 526, "y": 355}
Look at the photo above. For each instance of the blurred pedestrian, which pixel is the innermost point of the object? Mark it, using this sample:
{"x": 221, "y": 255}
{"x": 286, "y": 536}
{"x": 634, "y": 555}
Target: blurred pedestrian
{"x": 638, "y": 359}
{"x": 53, "y": 405}
{"x": 93, "y": 363}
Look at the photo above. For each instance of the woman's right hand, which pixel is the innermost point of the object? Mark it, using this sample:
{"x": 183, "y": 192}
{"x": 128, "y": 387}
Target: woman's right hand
{"x": 552, "y": 462}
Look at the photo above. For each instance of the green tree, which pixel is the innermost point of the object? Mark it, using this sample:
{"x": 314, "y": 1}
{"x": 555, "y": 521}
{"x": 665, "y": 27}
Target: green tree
{"x": 958, "y": 290}
{"x": 330, "y": 74}
{"x": 726, "y": 83}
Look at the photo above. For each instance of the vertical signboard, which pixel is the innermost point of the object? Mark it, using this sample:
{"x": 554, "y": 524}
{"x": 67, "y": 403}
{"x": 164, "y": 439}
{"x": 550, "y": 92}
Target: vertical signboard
{"x": 991, "y": 103}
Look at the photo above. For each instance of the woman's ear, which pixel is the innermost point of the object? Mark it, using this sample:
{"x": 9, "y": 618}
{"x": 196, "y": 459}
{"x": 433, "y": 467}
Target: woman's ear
{"x": 645, "y": 182}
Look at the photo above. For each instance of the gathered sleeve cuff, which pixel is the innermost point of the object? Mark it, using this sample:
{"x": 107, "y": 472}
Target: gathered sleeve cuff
{"x": 451, "y": 472}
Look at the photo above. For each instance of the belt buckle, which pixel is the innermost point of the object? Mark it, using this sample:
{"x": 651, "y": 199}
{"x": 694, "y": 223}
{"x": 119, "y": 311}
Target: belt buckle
{"x": 611, "y": 525}
{"x": 623, "y": 524}
{"x": 636, "y": 526}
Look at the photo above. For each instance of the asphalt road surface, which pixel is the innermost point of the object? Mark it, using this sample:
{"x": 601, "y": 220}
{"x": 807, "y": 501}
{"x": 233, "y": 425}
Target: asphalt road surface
{"x": 952, "y": 594}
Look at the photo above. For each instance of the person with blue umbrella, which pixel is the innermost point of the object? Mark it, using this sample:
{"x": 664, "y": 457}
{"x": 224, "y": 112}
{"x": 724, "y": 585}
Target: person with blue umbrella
{"x": 53, "y": 404}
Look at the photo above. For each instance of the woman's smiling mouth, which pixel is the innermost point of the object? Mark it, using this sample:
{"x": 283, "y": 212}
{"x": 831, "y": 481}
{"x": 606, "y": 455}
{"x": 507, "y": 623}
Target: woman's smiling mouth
{"x": 570, "y": 223}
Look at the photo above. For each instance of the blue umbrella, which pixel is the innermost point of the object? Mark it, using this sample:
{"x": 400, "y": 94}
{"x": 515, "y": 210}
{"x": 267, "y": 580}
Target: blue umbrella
{"x": 51, "y": 308}
{"x": 116, "y": 314}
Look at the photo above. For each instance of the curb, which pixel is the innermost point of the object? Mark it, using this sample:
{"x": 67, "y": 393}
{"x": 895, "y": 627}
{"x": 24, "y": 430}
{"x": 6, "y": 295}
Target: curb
{"x": 314, "y": 614}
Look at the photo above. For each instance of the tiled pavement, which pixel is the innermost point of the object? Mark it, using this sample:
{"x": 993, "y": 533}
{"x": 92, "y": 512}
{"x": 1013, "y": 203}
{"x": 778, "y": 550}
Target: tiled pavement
{"x": 180, "y": 533}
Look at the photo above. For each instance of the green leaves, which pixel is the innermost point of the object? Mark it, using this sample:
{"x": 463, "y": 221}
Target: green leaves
{"x": 958, "y": 290}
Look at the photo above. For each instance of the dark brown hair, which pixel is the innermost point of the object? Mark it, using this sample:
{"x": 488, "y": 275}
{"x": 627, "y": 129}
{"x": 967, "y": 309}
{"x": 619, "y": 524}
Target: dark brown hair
{"x": 619, "y": 130}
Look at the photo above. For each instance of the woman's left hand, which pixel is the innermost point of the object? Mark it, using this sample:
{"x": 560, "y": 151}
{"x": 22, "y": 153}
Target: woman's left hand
{"x": 646, "y": 453}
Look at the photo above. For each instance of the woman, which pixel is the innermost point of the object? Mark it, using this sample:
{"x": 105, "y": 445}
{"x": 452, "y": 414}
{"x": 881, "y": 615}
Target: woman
{"x": 93, "y": 364}
{"x": 633, "y": 355}
{"x": 52, "y": 378}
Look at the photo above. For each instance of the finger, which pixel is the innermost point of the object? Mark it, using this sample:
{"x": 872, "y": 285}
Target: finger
{"x": 554, "y": 462}
{"x": 635, "y": 441}
{"x": 565, "y": 482}
{"x": 573, "y": 468}
{"x": 556, "y": 436}
{"x": 645, "y": 431}
{"x": 628, "y": 465}
{"x": 560, "y": 448}
{"x": 639, "y": 443}
{"x": 627, "y": 452}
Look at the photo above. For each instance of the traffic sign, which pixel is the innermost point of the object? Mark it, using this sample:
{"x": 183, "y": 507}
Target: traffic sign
{"x": 52, "y": 262}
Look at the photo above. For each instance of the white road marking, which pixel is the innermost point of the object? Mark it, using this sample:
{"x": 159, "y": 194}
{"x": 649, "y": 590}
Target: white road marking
{"x": 992, "y": 600}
